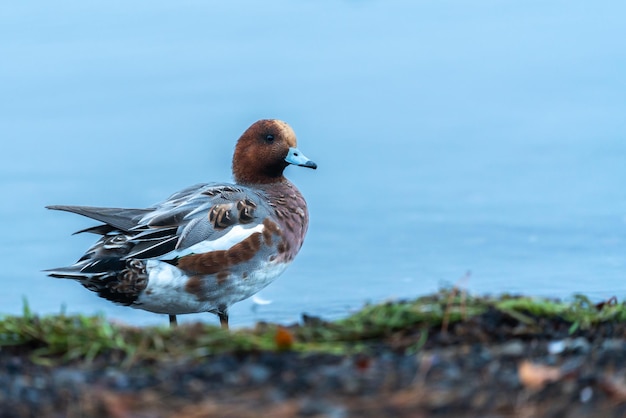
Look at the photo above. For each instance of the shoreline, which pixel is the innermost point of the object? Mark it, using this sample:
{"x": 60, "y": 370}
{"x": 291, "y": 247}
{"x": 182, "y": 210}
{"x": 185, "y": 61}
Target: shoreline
{"x": 445, "y": 354}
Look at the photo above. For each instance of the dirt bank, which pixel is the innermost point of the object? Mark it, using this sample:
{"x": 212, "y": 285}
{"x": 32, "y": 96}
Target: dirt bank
{"x": 491, "y": 362}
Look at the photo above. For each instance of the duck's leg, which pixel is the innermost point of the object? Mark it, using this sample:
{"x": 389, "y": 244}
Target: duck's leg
{"x": 173, "y": 321}
{"x": 223, "y": 315}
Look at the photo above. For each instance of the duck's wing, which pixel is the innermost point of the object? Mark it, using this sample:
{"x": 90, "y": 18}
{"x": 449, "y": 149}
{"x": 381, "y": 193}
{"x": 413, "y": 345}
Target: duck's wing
{"x": 204, "y": 217}
{"x": 216, "y": 216}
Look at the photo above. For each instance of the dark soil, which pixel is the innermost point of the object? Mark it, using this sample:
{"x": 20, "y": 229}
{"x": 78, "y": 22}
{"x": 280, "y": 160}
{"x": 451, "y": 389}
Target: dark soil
{"x": 491, "y": 365}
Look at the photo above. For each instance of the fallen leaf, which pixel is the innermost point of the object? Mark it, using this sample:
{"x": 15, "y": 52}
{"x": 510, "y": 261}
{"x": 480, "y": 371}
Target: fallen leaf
{"x": 614, "y": 387}
{"x": 284, "y": 338}
{"x": 536, "y": 376}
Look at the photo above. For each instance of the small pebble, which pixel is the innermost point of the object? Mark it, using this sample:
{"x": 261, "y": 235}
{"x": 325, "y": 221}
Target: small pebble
{"x": 613, "y": 345}
{"x": 556, "y": 347}
{"x": 513, "y": 348}
{"x": 586, "y": 394}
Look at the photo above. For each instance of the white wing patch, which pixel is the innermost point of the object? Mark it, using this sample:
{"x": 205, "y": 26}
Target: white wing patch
{"x": 237, "y": 234}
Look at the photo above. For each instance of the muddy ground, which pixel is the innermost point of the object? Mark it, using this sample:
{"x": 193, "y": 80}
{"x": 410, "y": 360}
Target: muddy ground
{"x": 491, "y": 365}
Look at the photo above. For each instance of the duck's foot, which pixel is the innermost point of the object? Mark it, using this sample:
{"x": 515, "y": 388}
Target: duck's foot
{"x": 173, "y": 321}
{"x": 223, "y": 319}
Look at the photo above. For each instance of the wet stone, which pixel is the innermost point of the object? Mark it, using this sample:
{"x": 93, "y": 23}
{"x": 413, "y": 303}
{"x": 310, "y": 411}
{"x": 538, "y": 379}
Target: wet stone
{"x": 513, "y": 348}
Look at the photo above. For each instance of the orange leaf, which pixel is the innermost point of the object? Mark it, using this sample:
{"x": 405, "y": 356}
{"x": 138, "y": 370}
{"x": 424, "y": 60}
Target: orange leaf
{"x": 284, "y": 338}
{"x": 536, "y": 376}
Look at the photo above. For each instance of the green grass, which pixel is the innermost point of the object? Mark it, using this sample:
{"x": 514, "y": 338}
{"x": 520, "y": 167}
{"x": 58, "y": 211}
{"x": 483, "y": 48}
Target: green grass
{"x": 68, "y": 337}
{"x": 60, "y": 338}
{"x": 581, "y": 312}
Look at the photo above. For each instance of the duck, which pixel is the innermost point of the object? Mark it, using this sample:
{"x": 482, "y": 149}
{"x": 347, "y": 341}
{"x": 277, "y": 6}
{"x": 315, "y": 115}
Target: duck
{"x": 208, "y": 246}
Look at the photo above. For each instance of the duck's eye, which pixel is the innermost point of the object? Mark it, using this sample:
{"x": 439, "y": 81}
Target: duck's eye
{"x": 269, "y": 138}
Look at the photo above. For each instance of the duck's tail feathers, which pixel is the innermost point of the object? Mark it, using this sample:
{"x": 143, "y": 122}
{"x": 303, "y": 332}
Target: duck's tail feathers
{"x": 105, "y": 283}
{"x": 74, "y": 273}
{"x": 119, "y": 218}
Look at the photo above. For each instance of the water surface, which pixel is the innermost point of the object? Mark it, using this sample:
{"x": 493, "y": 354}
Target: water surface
{"x": 451, "y": 137}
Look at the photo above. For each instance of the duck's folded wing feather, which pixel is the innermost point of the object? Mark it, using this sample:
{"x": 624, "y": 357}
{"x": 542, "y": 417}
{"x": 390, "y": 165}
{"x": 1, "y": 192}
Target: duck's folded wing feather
{"x": 204, "y": 213}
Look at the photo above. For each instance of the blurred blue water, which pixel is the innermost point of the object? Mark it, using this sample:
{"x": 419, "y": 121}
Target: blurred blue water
{"x": 451, "y": 137}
